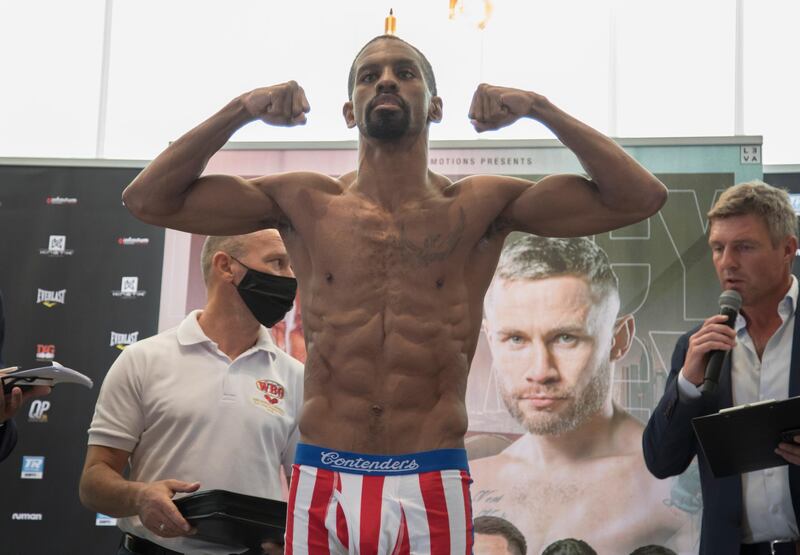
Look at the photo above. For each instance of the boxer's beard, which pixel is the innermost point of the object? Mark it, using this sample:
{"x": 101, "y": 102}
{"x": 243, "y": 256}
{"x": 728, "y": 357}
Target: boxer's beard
{"x": 582, "y": 404}
{"x": 387, "y": 124}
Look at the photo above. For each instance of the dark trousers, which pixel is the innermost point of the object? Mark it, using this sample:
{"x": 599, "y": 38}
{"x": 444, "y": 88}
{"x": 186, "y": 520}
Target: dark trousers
{"x": 765, "y": 549}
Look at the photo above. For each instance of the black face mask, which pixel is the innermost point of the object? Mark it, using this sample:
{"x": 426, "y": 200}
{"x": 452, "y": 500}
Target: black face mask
{"x": 268, "y": 297}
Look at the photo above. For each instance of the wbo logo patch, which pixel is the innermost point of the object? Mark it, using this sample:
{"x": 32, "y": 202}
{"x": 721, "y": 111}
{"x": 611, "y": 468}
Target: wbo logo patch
{"x": 272, "y": 393}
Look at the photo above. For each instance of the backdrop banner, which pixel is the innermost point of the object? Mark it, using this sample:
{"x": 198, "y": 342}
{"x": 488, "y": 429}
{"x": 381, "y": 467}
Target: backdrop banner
{"x": 81, "y": 280}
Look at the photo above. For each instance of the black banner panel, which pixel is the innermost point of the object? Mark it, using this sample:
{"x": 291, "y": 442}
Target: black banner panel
{"x": 81, "y": 280}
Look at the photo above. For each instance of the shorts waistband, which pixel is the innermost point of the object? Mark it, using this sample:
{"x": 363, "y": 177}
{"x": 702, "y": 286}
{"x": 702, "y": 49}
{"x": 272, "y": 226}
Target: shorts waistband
{"x": 381, "y": 465}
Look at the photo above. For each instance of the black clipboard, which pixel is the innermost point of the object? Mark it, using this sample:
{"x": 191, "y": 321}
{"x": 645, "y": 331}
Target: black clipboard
{"x": 230, "y": 518}
{"x": 742, "y": 439}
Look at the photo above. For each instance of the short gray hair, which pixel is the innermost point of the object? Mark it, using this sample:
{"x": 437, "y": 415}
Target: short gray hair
{"x": 234, "y": 245}
{"x": 771, "y": 204}
{"x": 496, "y": 526}
{"x": 532, "y": 257}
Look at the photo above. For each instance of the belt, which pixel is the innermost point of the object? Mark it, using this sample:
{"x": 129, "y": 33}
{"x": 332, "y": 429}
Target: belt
{"x": 143, "y": 547}
{"x": 774, "y": 547}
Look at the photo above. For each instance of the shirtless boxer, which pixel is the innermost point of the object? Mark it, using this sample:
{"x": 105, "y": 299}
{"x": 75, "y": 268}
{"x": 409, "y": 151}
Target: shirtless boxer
{"x": 392, "y": 262}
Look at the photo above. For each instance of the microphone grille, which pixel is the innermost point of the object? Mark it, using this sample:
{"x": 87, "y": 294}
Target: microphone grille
{"x": 730, "y": 299}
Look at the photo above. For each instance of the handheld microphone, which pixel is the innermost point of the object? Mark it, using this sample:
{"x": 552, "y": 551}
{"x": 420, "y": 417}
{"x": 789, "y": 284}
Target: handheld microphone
{"x": 729, "y": 304}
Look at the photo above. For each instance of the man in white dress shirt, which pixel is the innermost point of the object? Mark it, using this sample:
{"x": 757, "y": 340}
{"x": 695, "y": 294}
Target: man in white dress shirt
{"x": 753, "y": 240}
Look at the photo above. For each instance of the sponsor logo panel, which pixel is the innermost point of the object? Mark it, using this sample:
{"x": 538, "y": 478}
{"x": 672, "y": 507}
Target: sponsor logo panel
{"x": 58, "y": 201}
{"x": 122, "y": 340}
{"x": 26, "y": 516}
{"x": 104, "y": 520}
{"x": 129, "y": 288}
{"x": 49, "y": 299}
{"x": 57, "y": 247}
{"x": 38, "y": 410}
{"x": 32, "y": 468}
{"x": 132, "y": 241}
{"x": 45, "y": 351}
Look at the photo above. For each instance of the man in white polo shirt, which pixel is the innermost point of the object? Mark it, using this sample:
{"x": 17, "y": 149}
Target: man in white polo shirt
{"x": 211, "y": 404}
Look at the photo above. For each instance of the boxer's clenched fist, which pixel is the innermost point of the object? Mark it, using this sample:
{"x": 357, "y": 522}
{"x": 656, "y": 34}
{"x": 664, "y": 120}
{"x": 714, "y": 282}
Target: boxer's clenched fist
{"x": 495, "y": 107}
{"x": 285, "y": 104}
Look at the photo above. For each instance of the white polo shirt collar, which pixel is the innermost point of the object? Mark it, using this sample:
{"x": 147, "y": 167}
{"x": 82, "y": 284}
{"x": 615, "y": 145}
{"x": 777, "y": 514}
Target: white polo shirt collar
{"x": 190, "y": 333}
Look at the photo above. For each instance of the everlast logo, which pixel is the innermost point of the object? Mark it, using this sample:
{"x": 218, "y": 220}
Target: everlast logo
{"x": 26, "y": 516}
{"x": 122, "y": 340}
{"x": 50, "y": 298}
{"x": 45, "y": 352}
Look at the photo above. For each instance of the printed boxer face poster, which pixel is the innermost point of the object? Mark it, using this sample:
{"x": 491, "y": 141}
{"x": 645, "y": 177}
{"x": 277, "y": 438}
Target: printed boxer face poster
{"x": 573, "y": 357}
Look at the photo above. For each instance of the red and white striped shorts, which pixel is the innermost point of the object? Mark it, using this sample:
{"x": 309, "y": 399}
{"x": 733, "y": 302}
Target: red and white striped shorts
{"x": 365, "y": 511}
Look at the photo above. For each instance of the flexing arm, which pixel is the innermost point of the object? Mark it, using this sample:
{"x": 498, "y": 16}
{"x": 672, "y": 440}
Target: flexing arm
{"x": 620, "y": 191}
{"x": 105, "y": 490}
{"x": 171, "y": 193}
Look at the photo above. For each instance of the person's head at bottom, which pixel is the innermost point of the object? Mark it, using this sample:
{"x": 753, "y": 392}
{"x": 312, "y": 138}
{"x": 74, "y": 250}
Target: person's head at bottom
{"x": 569, "y": 546}
{"x": 497, "y": 536}
{"x": 652, "y": 550}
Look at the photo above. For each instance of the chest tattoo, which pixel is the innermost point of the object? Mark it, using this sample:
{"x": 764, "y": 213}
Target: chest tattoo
{"x": 433, "y": 248}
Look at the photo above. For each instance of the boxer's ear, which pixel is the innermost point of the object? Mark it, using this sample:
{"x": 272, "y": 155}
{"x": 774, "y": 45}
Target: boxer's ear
{"x": 624, "y": 330}
{"x": 347, "y": 112}
{"x": 435, "y": 110}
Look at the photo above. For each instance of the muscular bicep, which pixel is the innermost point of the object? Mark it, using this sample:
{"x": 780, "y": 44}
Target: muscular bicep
{"x": 230, "y": 205}
{"x": 212, "y": 205}
{"x": 562, "y": 205}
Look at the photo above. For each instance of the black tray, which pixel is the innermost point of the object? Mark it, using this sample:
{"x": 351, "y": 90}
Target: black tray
{"x": 234, "y": 519}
